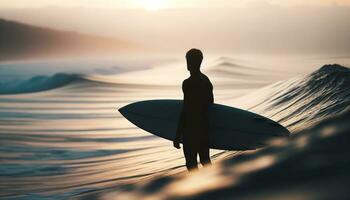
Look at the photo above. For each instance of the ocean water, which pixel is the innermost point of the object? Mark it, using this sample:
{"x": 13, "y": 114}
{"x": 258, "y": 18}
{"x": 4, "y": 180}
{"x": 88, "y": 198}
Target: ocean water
{"x": 61, "y": 136}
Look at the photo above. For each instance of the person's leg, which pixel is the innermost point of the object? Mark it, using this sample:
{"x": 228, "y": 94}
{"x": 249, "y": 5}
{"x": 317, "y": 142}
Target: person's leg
{"x": 204, "y": 156}
{"x": 191, "y": 157}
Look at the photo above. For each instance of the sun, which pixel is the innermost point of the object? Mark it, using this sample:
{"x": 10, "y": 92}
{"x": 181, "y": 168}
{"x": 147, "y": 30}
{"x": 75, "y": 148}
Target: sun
{"x": 152, "y": 5}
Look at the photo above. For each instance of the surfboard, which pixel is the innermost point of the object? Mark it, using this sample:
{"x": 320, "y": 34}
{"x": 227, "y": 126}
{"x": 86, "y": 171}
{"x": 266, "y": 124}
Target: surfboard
{"x": 229, "y": 128}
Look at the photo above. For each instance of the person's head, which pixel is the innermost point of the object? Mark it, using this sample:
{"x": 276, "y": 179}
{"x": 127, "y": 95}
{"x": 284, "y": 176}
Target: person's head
{"x": 194, "y": 58}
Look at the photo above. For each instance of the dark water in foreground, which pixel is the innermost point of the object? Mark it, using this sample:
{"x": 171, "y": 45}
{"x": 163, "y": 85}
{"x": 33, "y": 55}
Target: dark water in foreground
{"x": 312, "y": 164}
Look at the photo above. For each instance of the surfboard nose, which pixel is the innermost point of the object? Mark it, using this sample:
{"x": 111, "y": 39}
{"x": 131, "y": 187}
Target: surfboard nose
{"x": 136, "y": 107}
{"x": 123, "y": 110}
{"x": 127, "y": 109}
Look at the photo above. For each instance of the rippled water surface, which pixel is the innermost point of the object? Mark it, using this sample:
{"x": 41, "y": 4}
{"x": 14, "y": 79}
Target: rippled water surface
{"x": 62, "y": 136}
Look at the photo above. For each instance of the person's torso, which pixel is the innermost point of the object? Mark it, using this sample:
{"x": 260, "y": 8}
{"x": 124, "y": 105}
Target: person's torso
{"x": 196, "y": 99}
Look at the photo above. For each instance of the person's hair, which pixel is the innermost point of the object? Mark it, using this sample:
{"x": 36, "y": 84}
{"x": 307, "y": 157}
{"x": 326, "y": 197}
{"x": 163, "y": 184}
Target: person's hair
{"x": 194, "y": 59}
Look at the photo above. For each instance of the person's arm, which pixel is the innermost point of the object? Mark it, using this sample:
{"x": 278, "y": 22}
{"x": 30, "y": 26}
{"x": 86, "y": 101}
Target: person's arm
{"x": 210, "y": 102}
{"x": 211, "y": 98}
{"x": 181, "y": 123}
{"x": 179, "y": 130}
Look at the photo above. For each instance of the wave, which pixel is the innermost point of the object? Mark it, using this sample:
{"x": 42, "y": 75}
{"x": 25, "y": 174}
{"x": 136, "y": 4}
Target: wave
{"x": 38, "y": 83}
{"x": 59, "y": 80}
{"x": 297, "y": 102}
{"x": 303, "y": 101}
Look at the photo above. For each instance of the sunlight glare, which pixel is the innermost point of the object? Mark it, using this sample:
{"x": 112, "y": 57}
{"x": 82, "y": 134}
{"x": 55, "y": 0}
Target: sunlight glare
{"x": 152, "y": 5}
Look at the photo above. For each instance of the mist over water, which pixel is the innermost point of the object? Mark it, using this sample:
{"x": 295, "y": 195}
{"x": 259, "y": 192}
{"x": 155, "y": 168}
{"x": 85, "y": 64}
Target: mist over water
{"x": 61, "y": 135}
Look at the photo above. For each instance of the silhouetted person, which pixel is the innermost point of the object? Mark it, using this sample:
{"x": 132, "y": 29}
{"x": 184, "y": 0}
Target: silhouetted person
{"x": 194, "y": 123}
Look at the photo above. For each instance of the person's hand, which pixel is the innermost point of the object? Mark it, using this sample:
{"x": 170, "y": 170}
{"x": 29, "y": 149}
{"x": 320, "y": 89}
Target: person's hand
{"x": 177, "y": 144}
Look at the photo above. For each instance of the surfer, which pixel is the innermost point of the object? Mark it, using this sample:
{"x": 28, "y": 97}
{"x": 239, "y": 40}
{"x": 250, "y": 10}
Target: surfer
{"x": 193, "y": 124}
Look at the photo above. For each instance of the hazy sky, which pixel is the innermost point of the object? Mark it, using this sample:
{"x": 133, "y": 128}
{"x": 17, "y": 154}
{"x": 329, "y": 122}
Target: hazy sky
{"x": 275, "y": 26}
{"x": 156, "y": 4}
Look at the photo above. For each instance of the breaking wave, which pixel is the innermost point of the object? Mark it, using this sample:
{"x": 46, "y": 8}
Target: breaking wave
{"x": 303, "y": 101}
{"x": 39, "y": 83}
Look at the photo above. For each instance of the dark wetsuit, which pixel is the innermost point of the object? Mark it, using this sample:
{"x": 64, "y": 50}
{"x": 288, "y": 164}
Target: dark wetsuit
{"x": 194, "y": 124}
